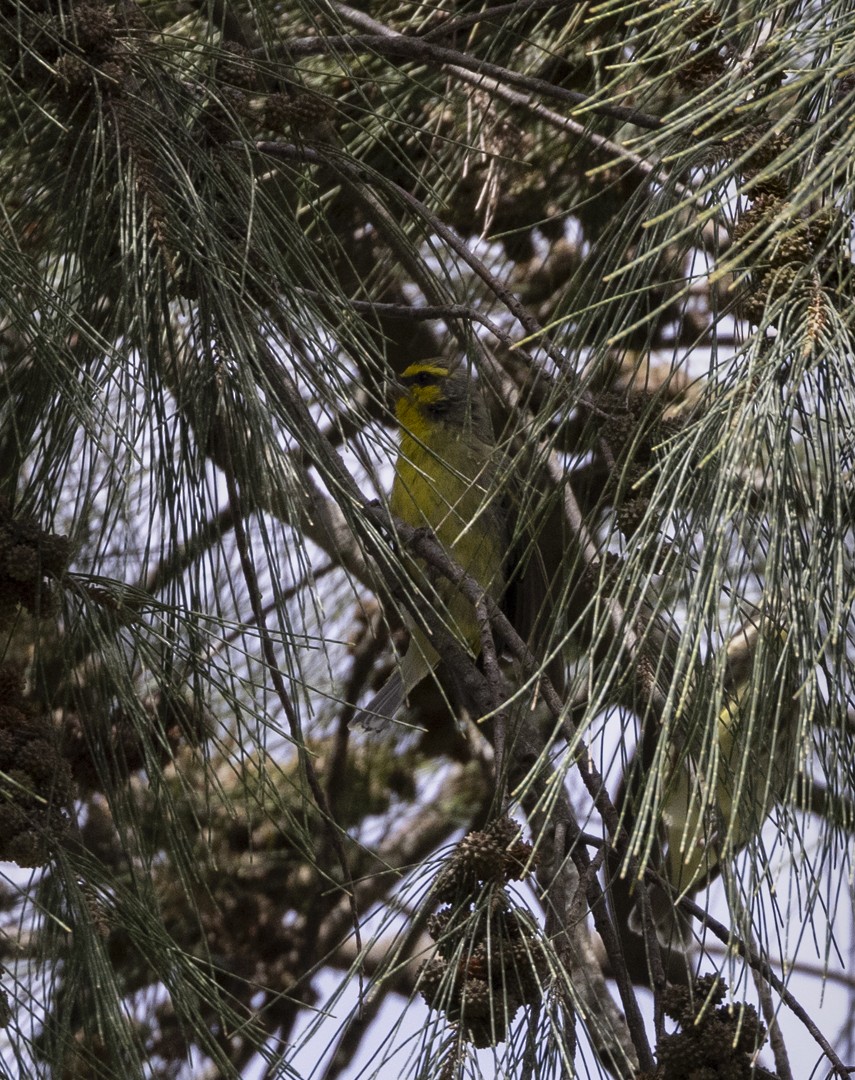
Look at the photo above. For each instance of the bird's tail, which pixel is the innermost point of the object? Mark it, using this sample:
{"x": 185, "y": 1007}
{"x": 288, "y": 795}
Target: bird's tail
{"x": 379, "y": 714}
{"x": 673, "y": 927}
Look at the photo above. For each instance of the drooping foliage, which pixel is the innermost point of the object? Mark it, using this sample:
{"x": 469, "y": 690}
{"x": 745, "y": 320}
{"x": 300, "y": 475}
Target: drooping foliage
{"x": 226, "y": 227}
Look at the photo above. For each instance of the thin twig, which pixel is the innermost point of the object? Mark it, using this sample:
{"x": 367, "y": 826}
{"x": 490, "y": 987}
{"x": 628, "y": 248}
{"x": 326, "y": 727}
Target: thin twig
{"x": 413, "y": 313}
{"x": 490, "y": 14}
{"x": 385, "y": 41}
{"x": 568, "y": 124}
{"x": 815, "y": 971}
{"x": 776, "y": 1036}
{"x": 736, "y": 944}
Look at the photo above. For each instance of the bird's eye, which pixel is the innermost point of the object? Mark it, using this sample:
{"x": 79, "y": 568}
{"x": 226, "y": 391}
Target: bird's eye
{"x": 424, "y": 378}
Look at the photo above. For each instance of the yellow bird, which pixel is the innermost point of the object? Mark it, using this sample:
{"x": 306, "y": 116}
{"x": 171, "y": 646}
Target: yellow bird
{"x": 446, "y": 478}
{"x": 721, "y": 792}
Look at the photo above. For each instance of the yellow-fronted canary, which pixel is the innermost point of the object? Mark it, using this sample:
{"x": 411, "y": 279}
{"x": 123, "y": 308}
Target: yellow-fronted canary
{"x": 446, "y": 478}
{"x": 722, "y": 790}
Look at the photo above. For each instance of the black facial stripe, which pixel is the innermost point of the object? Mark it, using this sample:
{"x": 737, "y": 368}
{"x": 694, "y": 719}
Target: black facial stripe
{"x": 423, "y": 378}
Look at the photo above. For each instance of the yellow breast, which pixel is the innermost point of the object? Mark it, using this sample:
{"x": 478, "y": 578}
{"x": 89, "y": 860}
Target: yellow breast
{"x": 444, "y": 479}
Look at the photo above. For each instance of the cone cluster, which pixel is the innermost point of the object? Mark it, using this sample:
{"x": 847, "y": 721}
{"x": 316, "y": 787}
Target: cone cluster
{"x": 715, "y": 1041}
{"x": 35, "y": 780}
{"x": 28, "y": 555}
{"x": 489, "y": 959}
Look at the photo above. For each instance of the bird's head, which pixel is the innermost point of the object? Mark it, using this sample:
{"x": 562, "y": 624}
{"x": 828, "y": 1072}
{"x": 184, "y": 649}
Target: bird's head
{"x": 437, "y": 392}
